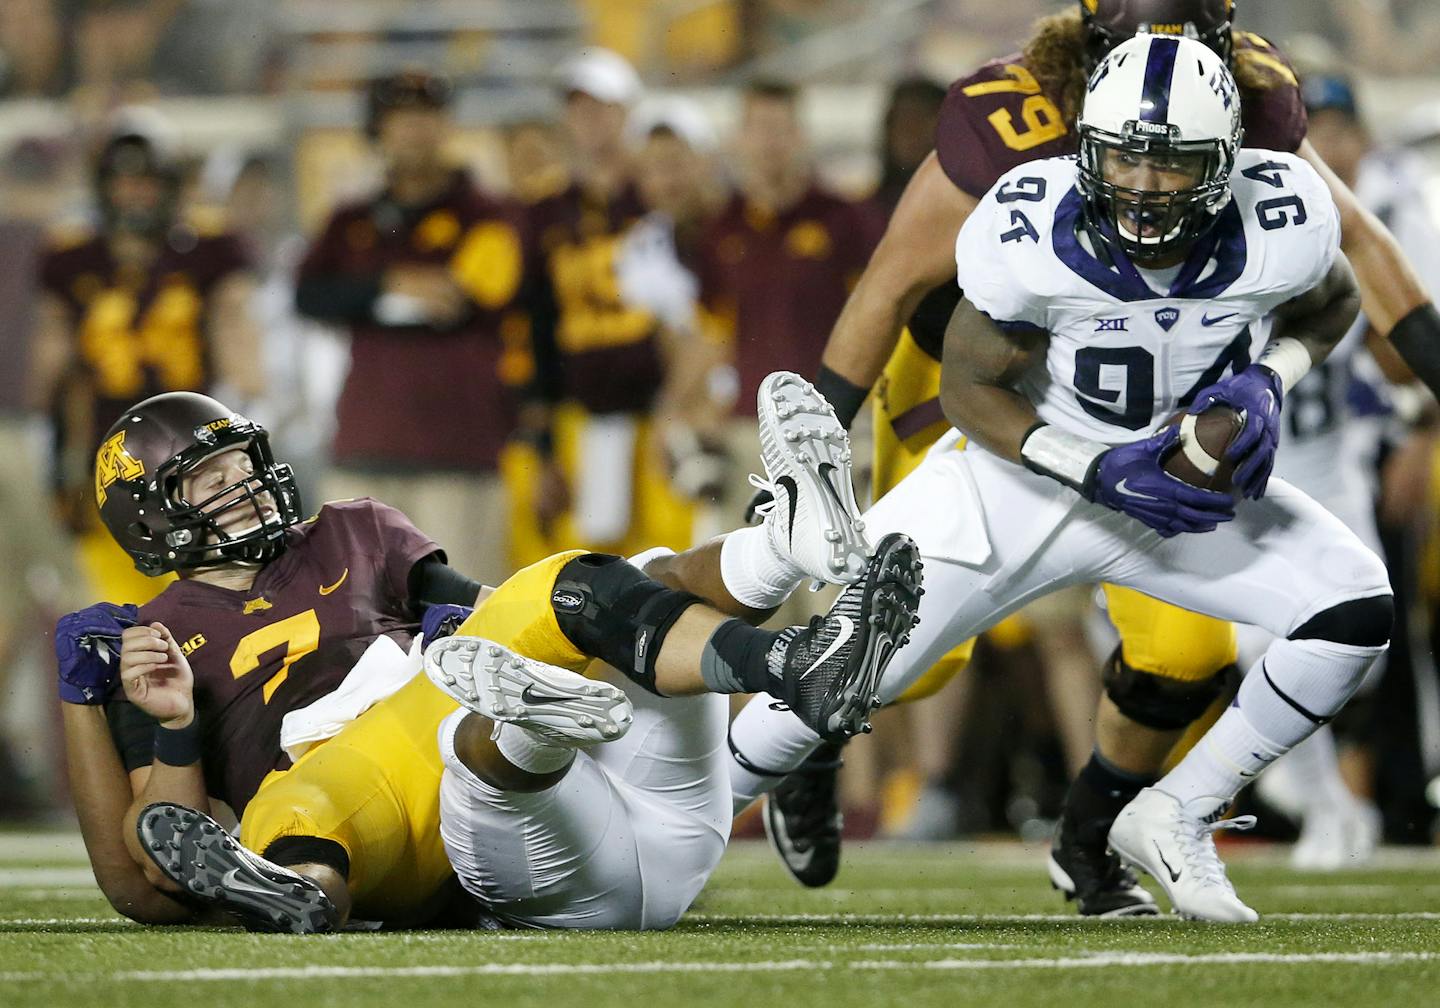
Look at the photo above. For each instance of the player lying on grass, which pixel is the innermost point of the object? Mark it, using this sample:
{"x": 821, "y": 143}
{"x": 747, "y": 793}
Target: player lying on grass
{"x": 271, "y": 614}
{"x": 1166, "y": 270}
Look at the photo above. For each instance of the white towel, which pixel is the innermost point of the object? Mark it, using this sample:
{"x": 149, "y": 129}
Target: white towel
{"x": 380, "y": 672}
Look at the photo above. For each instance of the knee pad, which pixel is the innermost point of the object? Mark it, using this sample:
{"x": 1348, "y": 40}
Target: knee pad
{"x": 1362, "y": 622}
{"x": 611, "y": 611}
{"x": 1160, "y": 703}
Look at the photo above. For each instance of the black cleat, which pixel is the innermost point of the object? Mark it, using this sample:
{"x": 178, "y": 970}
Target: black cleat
{"x": 831, "y": 672}
{"x": 196, "y": 853}
{"x": 803, "y": 820}
{"x": 1084, "y": 869}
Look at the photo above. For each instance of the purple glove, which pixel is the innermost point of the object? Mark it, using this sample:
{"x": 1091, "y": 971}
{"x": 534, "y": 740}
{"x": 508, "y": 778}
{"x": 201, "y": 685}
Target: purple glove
{"x": 1130, "y": 479}
{"x": 87, "y": 648}
{"x": 1256, "y": 394}
{"x": 442, "y": 621}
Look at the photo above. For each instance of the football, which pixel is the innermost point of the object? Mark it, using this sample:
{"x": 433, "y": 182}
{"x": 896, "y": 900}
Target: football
{"x": 1199, "y": 458}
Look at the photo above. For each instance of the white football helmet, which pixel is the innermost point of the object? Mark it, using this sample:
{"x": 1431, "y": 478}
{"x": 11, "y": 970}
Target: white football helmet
{"x": 1159, "y": 132}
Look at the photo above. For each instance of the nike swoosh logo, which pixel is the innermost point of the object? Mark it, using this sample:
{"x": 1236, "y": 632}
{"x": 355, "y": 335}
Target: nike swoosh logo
{"x": 847, "y": 630}
{"x": 1206, "y": 320}
{"x": 343, "y": 575}
{"x": 826, "y": 468}
{"x": 788, "y": 482}
{"x": 1174, "y": 875}
{"x": 1121, "y": 488}
{"x": 528, "y": 695}
{"x": 232, "y": 882}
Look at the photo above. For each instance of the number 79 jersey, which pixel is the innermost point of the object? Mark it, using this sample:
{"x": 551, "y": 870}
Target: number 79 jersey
{"x": 1124, "y": 355}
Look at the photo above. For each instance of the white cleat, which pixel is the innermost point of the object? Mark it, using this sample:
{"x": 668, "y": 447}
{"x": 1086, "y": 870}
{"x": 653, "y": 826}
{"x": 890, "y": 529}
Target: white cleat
{"x": 1175, "y": 843}
{"x": 554, "y": 703}
{"x": 1339, "y": 835}
{"x": 814, "y": 519}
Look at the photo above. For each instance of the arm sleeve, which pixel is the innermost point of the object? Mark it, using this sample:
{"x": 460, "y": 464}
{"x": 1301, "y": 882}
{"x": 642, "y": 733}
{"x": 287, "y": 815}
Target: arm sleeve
{"x": 134, "y": 733}
{"x": 433, "y": 582}
{"x": 325, "y": 293}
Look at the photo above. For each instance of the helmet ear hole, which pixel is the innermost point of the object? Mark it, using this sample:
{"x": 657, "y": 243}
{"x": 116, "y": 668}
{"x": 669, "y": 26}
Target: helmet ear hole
{"x": 139, "y": 531}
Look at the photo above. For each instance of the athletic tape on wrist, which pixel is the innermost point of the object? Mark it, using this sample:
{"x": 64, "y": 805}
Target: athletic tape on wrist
{"x": 1060, "y": 455}
{"x": 1288, "y": 358}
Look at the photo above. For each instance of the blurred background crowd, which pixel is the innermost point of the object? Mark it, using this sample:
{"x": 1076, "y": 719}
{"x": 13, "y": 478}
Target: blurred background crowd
{"x": 383, "y": 227}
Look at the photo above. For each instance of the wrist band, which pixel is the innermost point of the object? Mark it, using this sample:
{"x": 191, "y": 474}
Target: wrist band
{"x": 178, "y": 747}
{"x": 1288, "y": 358}
{"x": 1056, "y": 453}
{"x": 1416, "y": 338}
{"x": 843, "y": 395}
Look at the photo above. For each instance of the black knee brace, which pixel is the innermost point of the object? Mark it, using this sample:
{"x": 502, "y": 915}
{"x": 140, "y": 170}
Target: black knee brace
{"x": 299, "y": 850}
{"x": 1160, "y": 703}
{"x": 611, "y": 611}
{"x": 1362, "y": 622}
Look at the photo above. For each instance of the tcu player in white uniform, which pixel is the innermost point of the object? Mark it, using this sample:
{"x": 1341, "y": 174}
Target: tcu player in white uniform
{"x": 1101, "y": 298}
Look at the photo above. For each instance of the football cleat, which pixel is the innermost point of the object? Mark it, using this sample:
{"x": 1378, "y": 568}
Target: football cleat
{"x": 196, "y": 853}
{"x": 1087, "y": 872}
{"x": 557, "y": 705}
{"x": 813, "y": 518}
{"x": 1175, "y": 843}
{"x": 803, "y": 820}
{"x": 830, "y": 672}
{"x": 1339, "y": 835}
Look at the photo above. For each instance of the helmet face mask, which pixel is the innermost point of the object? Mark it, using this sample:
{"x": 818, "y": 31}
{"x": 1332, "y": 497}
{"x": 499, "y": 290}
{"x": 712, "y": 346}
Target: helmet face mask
{"x": 141, "y": 476}
{"x": 1159, "y": 133}
{"x": 1191, "y": 185}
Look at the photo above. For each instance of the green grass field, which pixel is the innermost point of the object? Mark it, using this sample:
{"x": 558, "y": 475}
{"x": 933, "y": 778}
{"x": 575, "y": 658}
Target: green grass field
{"x": 936, "y": 925}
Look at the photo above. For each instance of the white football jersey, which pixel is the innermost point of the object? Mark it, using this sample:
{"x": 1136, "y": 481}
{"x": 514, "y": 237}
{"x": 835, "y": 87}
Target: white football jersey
{"x": 1122, "y": 356}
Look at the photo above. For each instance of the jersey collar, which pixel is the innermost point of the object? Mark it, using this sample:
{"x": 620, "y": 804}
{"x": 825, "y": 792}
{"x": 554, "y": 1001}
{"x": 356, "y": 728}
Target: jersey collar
{"x": 1223, "y": 246}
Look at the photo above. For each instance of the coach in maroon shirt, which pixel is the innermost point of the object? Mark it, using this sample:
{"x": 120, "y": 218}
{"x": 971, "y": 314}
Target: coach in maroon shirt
{"x": 426, "y": 275}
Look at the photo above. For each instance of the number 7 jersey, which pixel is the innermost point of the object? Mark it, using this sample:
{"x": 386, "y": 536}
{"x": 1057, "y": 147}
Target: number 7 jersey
{"x": 1129, "y": 348}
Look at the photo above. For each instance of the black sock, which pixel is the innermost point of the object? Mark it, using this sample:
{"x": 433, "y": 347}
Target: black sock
{"x": 736, "y": 658}
{"x": 1100, "y": 791}
{"x": 289, "y": 851}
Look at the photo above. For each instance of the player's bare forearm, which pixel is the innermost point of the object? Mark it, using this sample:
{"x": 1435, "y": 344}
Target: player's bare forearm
{"x": 1321, "y": 316}
{"x": 982, "y": 365}
{"x": 102, "y": 794}
{"x": 180, "y": 785}
{"x": 916, "y": 254}
{"x": 1389, "y": 287}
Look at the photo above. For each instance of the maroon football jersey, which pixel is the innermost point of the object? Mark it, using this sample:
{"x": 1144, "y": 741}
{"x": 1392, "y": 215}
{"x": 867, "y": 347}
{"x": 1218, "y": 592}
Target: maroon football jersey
{"x": 137, "y": 335}
{"x": 291, "y": 639}
{"x": 609, "y": 355}
{"x": 997, "y": 118}
{"x": 418, "y": 398}
{"x": 776, "y": 283}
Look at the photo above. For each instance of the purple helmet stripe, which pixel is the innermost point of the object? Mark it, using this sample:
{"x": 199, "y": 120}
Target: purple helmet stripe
{"x": 1159, "y": 71}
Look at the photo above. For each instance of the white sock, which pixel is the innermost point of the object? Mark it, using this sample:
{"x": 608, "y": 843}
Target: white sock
{"x": 770, "y": 743}
{"x": 529, "y": 752}
{"x": 756, "y": 575}
{"x": 1264, "y": 723}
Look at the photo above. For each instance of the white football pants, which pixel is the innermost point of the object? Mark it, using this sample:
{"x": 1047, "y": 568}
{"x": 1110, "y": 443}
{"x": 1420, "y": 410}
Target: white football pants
{"x": 625, "y": 840}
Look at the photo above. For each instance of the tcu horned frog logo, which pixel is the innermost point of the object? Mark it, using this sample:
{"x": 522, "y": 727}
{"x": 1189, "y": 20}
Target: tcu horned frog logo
{"x": 112, "y": 463}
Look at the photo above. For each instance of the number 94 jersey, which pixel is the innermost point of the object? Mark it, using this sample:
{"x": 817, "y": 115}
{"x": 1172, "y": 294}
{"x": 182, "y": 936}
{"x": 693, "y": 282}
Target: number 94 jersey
{"x": 1129, "y": 348}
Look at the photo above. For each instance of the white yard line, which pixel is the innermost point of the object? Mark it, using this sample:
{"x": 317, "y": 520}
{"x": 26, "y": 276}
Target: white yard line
{"x": 1098, "y": 960}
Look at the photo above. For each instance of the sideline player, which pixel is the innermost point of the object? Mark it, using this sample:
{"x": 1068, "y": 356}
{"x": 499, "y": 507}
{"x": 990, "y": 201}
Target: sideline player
{"x": 1171, "y": 664}
{"x": 186, "y": 485}
{"x": 1100, "y": 298}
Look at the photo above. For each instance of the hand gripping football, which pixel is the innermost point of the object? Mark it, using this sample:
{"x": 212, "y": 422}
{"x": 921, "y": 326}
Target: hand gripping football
{"x": 1199, "y": 457}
